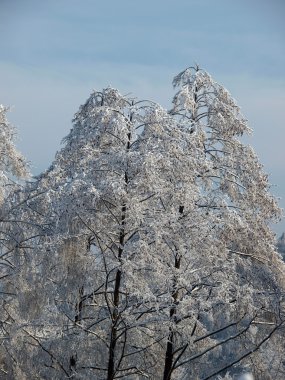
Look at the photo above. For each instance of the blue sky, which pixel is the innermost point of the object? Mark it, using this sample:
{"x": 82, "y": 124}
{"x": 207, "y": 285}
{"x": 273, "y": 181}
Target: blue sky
{"x": 53, "y": 53}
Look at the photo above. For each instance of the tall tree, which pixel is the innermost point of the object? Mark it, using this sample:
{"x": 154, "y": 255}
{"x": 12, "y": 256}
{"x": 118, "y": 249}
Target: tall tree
{"x": 235, "y": 190}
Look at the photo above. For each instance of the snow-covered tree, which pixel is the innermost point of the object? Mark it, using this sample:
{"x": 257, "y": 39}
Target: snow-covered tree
{"x": 13, "y": 167}
{"x": 149, "y": 234}
{"x": 236, "y": 191}
{"x": 12, "y": 163}
{"x": 234, "y": 181}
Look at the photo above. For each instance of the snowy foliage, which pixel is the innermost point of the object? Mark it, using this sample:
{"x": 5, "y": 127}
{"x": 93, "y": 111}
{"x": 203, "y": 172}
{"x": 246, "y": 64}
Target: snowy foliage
{"x": 149, "y": 236}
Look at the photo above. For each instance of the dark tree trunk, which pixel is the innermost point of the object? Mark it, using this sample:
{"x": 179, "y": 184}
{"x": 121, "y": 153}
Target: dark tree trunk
{"x": 116, "y": 296}
{"x": 116, "y": 301}
{"x": 169, "y": 354}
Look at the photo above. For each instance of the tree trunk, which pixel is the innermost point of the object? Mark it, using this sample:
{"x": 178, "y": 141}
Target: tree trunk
{"x": 169, "y": 354}
{"x": 170, "y": 342}
{"x": 116, "y": 299}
